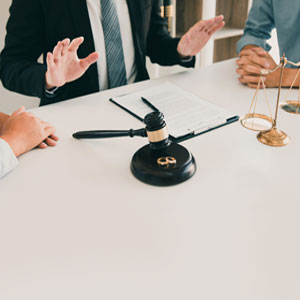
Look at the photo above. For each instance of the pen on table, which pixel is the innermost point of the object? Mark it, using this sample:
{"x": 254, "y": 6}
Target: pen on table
{"x": 149, "y": 104}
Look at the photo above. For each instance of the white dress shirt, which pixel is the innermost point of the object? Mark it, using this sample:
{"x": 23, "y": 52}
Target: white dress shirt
{"x": 8, "y": 160}
{"x": 94, "y": 9}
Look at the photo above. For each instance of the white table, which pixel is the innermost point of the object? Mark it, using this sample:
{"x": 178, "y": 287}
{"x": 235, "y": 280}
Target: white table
{"x": 75, "y": 224}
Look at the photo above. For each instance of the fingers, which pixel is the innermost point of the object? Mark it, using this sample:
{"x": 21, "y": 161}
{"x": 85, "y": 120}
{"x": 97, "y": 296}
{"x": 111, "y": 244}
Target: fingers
{"x": 254, "y": 86}
{"x": 250, "y": 56}
{"x": 249, "y": 79}
{"x": 42, "y": 145}
{"x": 50, "y": 61}
{"x": 86, "y": 62}
{"x": 49, "y": 130}
{"x": 51, "y": 139}
{"x": 218, "y": 19}
{"x": 241, "y": 71}
{"x": 253, "y": 51}
{"x": 57, "y": 51}
{"x": 54, "y": 137}
{"x": 75, "y": 44}
{"x": 213, "y": 21}
{"x": 19, "y": 111}
{"x": 249, "y": 69}
{"x": 66, "y": 43}
{"x": 260, "y": 51}
{"x": 50, "y": 142}
{"x": 215, "y": 28}
{"x": 207, "y": 25}
{"x": 259, "y": 62}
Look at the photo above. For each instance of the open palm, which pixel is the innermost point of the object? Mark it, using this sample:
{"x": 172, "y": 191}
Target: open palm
{"x": 64, "y": 65}
{"x": 198, "y": 35}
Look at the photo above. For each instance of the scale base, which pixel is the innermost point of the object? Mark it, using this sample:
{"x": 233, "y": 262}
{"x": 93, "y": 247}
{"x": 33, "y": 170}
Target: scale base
{"x": 292, "y": 107}
{"x": 273, "y": 137}
{"x": 145, "y": 166}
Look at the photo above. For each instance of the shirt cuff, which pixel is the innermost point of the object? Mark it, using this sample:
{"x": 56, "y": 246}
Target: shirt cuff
{"x": 186, "y": 59}
{"x": 252, "y": 40}
{"x": 51, "y": 93}
{"x": 8, "y": 160}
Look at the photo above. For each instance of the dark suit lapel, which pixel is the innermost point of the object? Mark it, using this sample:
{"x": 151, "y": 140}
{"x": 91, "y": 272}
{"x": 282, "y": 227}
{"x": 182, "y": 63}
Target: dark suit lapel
{"x": 136, "y": 18}
{"x": 82, "y": 26}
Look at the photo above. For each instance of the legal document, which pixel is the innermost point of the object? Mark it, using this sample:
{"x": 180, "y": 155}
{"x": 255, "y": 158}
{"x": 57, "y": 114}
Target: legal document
{"x": 185, "y": 113}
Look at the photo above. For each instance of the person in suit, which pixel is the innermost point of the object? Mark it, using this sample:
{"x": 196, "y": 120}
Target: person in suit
{"x": 19, "y": 133}
{"x": 253, "y": 49}
{"x": 73, "y": 34}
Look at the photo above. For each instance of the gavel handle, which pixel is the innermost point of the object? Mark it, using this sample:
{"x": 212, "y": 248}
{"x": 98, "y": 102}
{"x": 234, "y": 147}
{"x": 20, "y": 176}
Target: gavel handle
{"x": 103, "y": 134}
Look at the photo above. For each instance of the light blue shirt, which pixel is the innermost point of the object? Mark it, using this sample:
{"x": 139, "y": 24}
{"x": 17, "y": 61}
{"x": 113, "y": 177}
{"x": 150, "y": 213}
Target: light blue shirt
{"x": 265, "y": 15}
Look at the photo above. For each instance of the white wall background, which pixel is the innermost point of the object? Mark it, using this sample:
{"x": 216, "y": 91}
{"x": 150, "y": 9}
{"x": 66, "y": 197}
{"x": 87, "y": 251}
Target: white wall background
{"x": 11, "y": 101}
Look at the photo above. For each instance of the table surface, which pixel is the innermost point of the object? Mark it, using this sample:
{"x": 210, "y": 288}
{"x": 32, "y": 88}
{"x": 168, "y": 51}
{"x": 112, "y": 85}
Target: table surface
{"x": 75, "y": 224}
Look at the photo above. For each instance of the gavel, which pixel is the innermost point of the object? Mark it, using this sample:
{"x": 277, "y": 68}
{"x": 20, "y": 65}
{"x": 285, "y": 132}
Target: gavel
{"x": 156, "y": 131}
{"x": 161, "y": 162}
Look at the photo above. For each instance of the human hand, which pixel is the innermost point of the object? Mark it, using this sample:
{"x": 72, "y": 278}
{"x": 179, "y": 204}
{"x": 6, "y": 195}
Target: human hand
{"x": 23, "y": 132}
{"x": 252, "y": 60}
{"x": 3, "y": 118}
{"x": 198, "y": 35}
{"x": 49, "y": 141}
{"x": 64, "y": 65}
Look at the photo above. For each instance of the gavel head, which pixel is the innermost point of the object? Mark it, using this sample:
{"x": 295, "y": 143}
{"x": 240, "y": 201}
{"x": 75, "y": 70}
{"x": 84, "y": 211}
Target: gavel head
{"x": 157, "y": 133}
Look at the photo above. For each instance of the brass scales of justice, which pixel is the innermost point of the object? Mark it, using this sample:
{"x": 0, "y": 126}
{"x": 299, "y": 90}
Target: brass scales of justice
{"x": 268, "y": 133}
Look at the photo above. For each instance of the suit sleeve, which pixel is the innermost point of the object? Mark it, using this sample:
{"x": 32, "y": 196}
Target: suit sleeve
{"x": 19, "y": 70}
{"x": 258, "y": 26}
{"x": 161, "y": 47}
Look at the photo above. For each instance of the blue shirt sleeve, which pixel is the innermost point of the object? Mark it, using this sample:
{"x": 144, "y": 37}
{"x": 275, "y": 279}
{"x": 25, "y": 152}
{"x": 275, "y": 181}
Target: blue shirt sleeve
{"x": 259, "y": 25}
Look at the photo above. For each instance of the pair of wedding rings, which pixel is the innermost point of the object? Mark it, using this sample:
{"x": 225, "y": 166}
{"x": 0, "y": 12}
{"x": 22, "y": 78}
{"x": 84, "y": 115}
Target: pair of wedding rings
{"x": 166, "y": 162}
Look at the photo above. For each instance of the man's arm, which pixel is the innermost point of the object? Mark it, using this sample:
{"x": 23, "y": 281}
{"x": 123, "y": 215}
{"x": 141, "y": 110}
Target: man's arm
{"x": 163, "y": 49}
{"x": 19, "y": 69}
{"x": 253, "y": 59}
{"x": 259, "y": 25}
{"x": 252, "y": 47}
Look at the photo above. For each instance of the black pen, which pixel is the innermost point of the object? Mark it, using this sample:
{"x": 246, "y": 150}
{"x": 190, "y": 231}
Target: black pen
{"x": 149, "y": 104}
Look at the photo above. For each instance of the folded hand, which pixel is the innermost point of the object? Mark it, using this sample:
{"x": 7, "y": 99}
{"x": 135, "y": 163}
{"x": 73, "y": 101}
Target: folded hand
{"x": 252, "y": 60}
{"x": 23, "y": 131}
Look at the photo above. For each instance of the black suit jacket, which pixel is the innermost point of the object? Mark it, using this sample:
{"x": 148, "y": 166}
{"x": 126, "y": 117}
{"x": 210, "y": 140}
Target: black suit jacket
{"x": 35, "y": 27}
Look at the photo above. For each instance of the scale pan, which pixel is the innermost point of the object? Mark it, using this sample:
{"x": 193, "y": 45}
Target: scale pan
{"x": 292, "y": 107}
{"x": 256, "y": 122}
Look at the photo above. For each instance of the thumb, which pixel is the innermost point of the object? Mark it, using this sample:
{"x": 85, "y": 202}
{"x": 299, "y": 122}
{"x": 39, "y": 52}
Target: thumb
{"x": 19, "y": 111}
{"x": 86, "y": 62}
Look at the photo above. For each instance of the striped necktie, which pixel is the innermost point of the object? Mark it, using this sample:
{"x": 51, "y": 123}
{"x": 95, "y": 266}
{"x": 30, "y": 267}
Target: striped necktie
{"x": 113, "y": 44}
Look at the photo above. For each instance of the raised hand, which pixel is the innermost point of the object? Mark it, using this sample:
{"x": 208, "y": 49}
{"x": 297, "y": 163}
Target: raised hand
{"x": 198, "y": 35}
{"x": 64, "y": 65}
{"x": 23, "y": 131}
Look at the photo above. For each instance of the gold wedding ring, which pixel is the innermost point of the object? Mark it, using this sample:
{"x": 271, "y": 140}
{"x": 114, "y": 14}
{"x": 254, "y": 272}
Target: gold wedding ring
{"x": 166, "y": 162}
